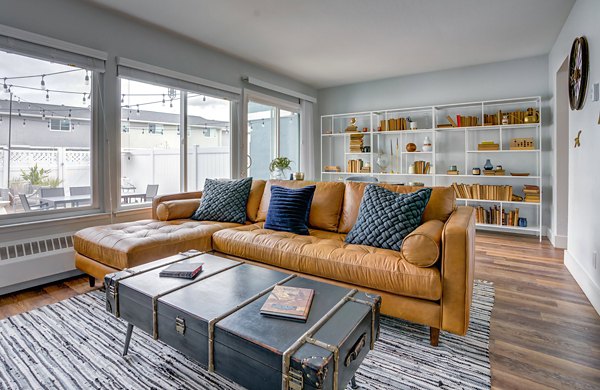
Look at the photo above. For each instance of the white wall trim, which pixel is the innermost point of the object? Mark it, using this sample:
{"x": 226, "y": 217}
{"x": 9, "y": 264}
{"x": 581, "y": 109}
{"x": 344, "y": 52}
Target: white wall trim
{"x": 557, "y": 241}
{"x": 587, "y": 284}
{"x": 176, "y": 75}
{"x": 276, "y": 88}
{"x": 51, "y": 42}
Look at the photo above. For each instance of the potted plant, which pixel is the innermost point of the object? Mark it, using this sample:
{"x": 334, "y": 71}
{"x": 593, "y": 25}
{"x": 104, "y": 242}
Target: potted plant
{"x": 278, "y": 166}
{"x": 39, "y": 177}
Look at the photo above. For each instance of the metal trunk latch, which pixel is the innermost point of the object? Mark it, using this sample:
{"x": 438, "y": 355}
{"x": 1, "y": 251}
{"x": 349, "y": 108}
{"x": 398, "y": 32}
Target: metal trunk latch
{"x": 180, "y": 325}
{"x": 296, "y": 380}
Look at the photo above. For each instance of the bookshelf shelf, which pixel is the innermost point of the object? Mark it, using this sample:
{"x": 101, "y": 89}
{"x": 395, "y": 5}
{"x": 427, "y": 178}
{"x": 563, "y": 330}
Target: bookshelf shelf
{"x": 451, "y": 146}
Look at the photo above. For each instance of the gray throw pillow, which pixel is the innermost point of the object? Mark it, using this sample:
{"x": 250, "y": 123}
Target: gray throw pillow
{"x": 224, "y": 200}
{"x": 386, "y": 217}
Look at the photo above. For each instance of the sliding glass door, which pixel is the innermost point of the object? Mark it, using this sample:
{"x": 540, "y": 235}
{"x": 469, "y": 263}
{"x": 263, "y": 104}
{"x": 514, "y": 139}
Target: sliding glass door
{"x": 273, "y": 131}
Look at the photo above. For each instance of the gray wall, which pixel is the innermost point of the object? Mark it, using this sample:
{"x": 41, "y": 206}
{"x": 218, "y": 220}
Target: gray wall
{"x": 582, "y": 183}
{"x": 524, "y": 77}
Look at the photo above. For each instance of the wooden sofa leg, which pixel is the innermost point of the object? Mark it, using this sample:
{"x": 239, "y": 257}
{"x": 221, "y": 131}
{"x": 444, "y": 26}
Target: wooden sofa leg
{"x": 434, "y": 336}
{"x": 92, "y": 280}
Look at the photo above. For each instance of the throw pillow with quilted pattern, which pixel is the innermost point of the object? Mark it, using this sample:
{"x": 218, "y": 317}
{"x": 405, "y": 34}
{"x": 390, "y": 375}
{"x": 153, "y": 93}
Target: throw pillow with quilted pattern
{"x": 386, "y": 217}
{"x": 224, "y": 200}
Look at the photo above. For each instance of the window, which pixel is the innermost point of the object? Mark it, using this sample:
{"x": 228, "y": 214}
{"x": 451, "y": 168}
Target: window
{"x": 273, "y": 131}
{"x": 150, "y": 153}
{"x": 155, "y": 128}
{"x": 151, "y": 158}
{"x": 44, "y": 171}
{"x": 60, "y": 124}
{"x": 208, "y": 140}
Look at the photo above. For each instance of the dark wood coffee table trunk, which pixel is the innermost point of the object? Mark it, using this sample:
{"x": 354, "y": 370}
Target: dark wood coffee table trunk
{"x": 215, "y": 319}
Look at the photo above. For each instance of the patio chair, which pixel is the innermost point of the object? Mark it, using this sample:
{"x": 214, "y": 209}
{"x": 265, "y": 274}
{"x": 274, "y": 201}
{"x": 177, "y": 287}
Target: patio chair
{"x": 84, "y": 190}
{"x": 28, "y": 207}
{"x": 51, "y": 192}
{"x": 151, "y": 192}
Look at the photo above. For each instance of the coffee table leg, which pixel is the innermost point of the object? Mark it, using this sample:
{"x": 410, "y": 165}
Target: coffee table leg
{"x": 128, "y": 338}
{"x": 353, "y": 382}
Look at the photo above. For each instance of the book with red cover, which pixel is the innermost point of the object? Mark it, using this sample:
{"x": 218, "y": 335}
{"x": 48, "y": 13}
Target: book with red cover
{"x": 291, "y": 303}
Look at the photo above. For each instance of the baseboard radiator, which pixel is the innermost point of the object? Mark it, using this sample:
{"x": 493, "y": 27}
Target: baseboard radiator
{"x": 39, "y": 260}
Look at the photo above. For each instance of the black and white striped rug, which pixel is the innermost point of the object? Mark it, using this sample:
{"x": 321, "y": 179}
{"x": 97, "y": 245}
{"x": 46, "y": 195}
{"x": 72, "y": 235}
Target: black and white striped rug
{"x": 76, "y": 344}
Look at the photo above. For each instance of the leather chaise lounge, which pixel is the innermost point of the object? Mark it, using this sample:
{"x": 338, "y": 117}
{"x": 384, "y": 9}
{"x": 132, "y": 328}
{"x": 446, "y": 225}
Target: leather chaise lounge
{"x": 428, "y": 282}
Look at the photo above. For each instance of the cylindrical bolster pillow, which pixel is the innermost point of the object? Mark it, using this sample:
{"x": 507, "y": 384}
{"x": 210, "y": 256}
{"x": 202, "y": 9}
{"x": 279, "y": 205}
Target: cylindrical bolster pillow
{"x": 422, "y": 246}
{"x": 176, "y": 209}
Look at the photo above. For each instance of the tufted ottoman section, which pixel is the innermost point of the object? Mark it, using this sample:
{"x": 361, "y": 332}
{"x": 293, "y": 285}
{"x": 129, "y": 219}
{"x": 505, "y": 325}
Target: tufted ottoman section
{"x": 325, "y": 254}
{"x": 129, "y": 244}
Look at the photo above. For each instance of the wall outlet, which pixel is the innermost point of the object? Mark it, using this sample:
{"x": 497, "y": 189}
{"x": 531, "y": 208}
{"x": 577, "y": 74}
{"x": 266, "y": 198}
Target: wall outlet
{"x": 595, "y": 260}
{"x": 595, "y": 92}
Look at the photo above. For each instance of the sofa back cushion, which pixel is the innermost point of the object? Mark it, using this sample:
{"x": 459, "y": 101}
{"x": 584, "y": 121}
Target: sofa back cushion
{"x": 441, "y": 203}
{"x": 326, "y": 203}
{"x": 256, "y": 193}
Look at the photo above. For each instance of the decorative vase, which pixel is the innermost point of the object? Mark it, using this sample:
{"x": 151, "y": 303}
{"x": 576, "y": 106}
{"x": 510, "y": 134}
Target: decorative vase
{"x": 488, "y": 165}
{"x": 410, "y": 147}
{"x": 427, "y": 147}
{"x": 382, "y": 162}
{"x": 278, "y": 174}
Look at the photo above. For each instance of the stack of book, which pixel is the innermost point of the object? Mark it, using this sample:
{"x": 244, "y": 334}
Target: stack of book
{"x": 494, "y": 172}
{"x": 462, "y": 121}
{"x": 488, "y": 145}
{"x": 332, "y": 168}
{"x": 496, "y": 216}
{"x": 452, "y": 172}
{"x": 422, "y": 167}
{"x": 356, "y": 142}
{"x": 483, "y": 192}
{"x": 532, "y": 193}
{"x": 394, "y": 124}
{"x": 365, "y": 169}
{"x": 354, "y": 166}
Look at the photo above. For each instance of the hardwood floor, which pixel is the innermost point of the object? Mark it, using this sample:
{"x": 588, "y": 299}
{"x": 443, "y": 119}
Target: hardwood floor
{"x": 544, "y": 332}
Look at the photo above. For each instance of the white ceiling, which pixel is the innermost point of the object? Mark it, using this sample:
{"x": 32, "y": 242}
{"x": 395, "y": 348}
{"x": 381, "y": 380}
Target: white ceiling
{"x": 333, "y": 42}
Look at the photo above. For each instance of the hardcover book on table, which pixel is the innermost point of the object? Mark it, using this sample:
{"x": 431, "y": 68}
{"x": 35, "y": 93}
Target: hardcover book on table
{"x": 288, "y": 302}
{"x": 185, "y": 270}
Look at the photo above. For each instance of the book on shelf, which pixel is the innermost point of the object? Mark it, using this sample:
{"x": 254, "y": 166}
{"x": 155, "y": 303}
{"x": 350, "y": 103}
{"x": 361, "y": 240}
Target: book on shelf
{"x": 483, "y": 191}
{"x": 182, "y": 270}
{"x": 354, "y": 166}
{"x": 488, "y": 145}
{"x": 496, "y": 216}
{"x": 452, "y": 172}
{"x": 466, "y": 121}
{"x": 332, "y": 168}
{"x": 291, "y": 303}
{"x": 422, "y": 167}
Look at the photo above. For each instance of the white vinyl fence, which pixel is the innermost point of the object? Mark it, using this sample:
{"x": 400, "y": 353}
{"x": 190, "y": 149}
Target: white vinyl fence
{"x": 140, "y": 167}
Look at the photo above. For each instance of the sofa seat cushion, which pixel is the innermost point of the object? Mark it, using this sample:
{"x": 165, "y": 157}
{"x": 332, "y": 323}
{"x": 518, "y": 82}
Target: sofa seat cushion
{"x": 125, "y": 245}
{"x": 328, "y": 256}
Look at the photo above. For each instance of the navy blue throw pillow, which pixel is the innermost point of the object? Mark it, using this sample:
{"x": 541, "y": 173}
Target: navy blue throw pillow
{"x": 385, "y": 218}
{"x": 224, "y": 200}
{"x": 289, "y": 209}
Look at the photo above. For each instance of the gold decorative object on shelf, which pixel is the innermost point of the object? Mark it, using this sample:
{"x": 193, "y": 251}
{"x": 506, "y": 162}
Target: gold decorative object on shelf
{"x": 533, "y": 116}
{"x": 488, "y": 145}
{"x": 521, "y": 144}
{"x": 577, "y": 143}
{"x": 352, "y": 127}
{"x": 411, "y": 147}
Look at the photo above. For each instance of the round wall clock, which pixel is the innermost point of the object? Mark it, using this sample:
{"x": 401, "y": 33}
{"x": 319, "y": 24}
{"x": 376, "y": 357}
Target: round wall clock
{"x": 578, "y": 72}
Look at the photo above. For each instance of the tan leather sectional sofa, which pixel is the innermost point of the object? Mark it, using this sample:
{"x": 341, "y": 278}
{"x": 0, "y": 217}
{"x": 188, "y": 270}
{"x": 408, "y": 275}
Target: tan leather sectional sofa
{"x": 428, "y": 282}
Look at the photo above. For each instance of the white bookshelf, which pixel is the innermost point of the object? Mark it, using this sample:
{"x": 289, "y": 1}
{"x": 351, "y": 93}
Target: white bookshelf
{"x": 450, "y": 146}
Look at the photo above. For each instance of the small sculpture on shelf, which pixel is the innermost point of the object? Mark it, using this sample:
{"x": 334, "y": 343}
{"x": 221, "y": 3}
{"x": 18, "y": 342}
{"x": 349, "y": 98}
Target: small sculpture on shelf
{"x": 411, "y": 147}
{"x": 352, "y": 127}
{"x": 488, "y": 165}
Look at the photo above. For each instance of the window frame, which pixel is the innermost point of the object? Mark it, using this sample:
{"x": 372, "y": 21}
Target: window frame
{"x": 183, "y": 135}
{"x": 279, "y": 104}
{"x": 97, "y": 198}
